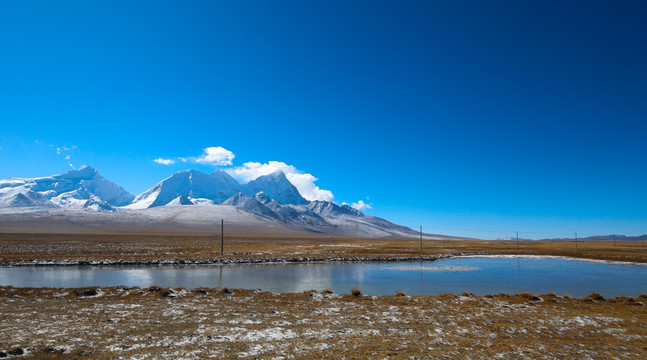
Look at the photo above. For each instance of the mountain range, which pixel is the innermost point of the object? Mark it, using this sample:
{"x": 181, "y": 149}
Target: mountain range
{"x": 78, "y": 189}
{"x": 188, "y": 199}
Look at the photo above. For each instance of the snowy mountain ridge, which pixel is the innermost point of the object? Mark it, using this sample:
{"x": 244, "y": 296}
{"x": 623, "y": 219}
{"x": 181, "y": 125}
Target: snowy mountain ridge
{"x": 269, "y": 199}
{"x": 84, "y": 188}
{"x": 188, "y": 185}
{"x": 212, "y": 189}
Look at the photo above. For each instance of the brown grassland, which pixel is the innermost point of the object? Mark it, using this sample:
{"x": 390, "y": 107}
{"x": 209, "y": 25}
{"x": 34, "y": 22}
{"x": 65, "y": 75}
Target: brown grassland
{"x": 25, "y": 248}
{"x": 211, "y": 323}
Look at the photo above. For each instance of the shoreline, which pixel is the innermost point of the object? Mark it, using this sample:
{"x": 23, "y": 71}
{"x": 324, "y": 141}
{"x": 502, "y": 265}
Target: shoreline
{"x": 226, "y": 261}
{"x": 314, "y": 260}
{"x": 174, "y": 292}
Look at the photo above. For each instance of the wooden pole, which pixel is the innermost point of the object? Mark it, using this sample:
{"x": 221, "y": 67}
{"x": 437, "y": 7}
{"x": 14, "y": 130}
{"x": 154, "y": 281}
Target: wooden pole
{"x": 614, "y": 240}
{"x": 222, "y": 236}
{"x": 420, "y": 237}
{"x": 576, "y": 241}
{"x": 517, "y": 240}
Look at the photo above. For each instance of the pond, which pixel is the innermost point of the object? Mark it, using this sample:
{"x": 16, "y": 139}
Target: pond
{"x": 480, "y": 275}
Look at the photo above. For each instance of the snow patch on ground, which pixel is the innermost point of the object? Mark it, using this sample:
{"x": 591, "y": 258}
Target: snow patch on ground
{"x": 269, "y": 334}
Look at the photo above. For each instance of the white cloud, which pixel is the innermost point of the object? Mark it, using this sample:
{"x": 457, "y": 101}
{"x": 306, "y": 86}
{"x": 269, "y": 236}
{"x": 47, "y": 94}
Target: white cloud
{"x": 67, "y": 157}
{"x": 58, "y": 151}
{"x": 215, "y": 155}
{"x": 251, "y": 170}
{"x": 72, "y": 166}
{"x": 360, "y": 205}
{"x": 304, "y": 182}
{"x": 164, "y": 161}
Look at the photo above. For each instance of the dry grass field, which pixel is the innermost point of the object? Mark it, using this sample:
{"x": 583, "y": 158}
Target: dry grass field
{"x": 134, "y": 323}
{"x": 146, "y": 248}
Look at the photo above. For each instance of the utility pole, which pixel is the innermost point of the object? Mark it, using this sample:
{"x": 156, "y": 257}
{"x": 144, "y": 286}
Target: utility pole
{"x": 420, "y": 237}
{"x": 576, "y": 241}
{"x": 614, "y": 240}
{"x": 222, "y": 236}
{"x": 517, "y": 240}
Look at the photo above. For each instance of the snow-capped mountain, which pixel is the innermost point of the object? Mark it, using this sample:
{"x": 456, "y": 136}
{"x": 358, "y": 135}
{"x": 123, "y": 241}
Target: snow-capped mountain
{"x": 84, "y": 188}
{"x": 188, "y": 187}
{"x": 195, "y": 187}
{"x": 270, "y": 200}
{"x": 276, "y": 186}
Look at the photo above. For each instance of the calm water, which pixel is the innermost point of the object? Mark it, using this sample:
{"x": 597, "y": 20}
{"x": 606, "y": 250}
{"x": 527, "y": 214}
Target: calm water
{"x": 479, "y": 275}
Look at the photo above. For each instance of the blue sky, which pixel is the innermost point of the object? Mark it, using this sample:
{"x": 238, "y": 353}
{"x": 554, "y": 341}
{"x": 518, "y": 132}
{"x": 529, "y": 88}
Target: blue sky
{"x": 476, "y": 118}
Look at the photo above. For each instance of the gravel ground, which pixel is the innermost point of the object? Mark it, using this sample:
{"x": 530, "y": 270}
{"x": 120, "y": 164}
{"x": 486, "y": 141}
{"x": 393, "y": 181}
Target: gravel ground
{"x": 154, "y": 323}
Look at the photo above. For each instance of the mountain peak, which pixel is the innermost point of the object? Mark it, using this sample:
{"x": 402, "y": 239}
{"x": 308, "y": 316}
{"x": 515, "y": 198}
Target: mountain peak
{"x": 277, "y": 174}
{"x": 187, "y": 172}
{"x": 277, "y": 186}
{"x": 84, "y": 172}
{"x": 330, "y": 208}
{"x": 219, "y": 171}
{"x": 72, "y": 189}
{"x": 188, "y": 184}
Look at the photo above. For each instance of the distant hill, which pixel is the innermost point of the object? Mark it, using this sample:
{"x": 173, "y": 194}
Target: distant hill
{"x": 603, "y": 238}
